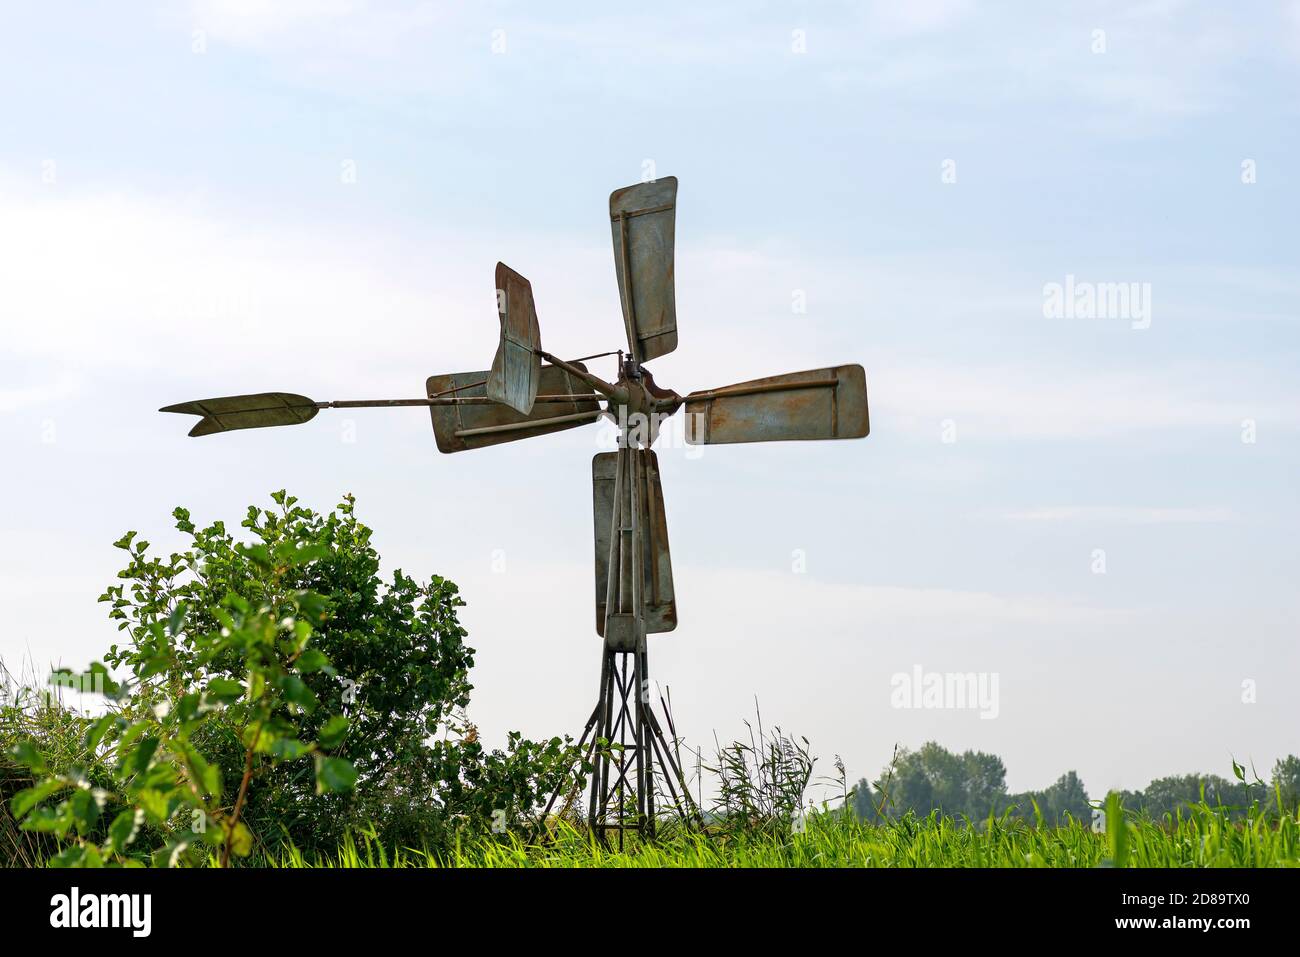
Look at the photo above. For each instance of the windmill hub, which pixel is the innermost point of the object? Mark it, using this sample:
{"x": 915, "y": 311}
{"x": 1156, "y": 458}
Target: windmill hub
{"x": 520, "y": 398}
{"x": 639, "y": 395}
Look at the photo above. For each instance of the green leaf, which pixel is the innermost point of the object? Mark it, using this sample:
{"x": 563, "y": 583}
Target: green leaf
{"x": 241, "y": 840}
{"x": 296, "y": 692}
{"x": 224, "y": 690}
{"x": 176, "y": 619}
{"x": 188, "y": 706}
{"x": 300, "y": 553}
{"x": 173, "y": 854}
{"x": 77, "y": 856}
{"x": 26, "y": 754}
{"x": 138, "y": 758}
{"x": 334, "y": 775}
{"x": 256, "y": 685}
{"x": 125, "y": 540}
{"x": 132, "y": 732}
{"x": 124, "y": 828}
{"x": 259, "y": 555}
{"x": 333, "y": 731}
{"x": 207, "y": 776}
{"x": 154, "y": 804}
{"x": 97, "y": 729}
{"x": 1116, "y": 830}
{"x": 85, "y": 807}
{"x": 49, "y": 821}
{"x": 287, "y": 749}
{"x": 313, "y": 660}
{"x": 101, "y": 682}
{"x": 313, "y": 607}
{"x": 154, "y": 665}
{"x": 28, "y": 798}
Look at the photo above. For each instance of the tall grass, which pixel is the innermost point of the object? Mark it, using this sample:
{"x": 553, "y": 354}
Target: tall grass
{"x": 1204, "y": 837}
{"x": 759, "y": 818}
{"x": 30, "y": 708}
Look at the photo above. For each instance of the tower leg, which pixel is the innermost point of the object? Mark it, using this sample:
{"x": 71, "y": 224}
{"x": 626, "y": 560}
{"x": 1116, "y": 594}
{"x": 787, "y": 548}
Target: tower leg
{"x": 628, "y": 752}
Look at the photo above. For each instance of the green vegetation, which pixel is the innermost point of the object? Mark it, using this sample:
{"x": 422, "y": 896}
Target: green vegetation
{"x": 274, "y": 703}
{"x": 277, "y": 692}
{"x": 972, "y": 785}
{"x": 1202, "y": 837}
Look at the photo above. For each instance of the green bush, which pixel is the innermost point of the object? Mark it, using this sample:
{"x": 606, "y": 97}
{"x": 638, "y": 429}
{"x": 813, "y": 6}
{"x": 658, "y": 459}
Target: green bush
{"x": 279, "y": 692}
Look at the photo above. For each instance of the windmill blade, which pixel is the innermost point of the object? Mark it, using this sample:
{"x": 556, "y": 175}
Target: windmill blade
{"x": 610, "y": 490}
{"x": 259, "y": 411}
{"x": 517, "y": 367}
{"x": 468, "y": 424}
{"x": 817, "y": 404}
{"x": 642, "y": 219}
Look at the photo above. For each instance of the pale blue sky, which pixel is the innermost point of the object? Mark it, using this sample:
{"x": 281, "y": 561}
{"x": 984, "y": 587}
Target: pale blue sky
{"x": 174, "y": 225}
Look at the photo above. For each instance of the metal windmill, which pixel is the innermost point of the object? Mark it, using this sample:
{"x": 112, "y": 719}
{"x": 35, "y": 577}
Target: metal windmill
{"x": 519, "y": 398}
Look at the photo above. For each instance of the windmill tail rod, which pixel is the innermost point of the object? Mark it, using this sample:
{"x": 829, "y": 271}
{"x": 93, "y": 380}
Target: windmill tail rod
{"x": 440, "y": 400}
{"x": 596, "y": 382}
{"x": 373, "y": 403}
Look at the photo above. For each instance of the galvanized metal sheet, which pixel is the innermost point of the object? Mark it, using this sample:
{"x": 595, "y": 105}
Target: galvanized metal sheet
{"x": 517, "y": 368}
{"x": 642, "y": 221}
{"x": 817, "y": 404}
{"x": 656, "y": 563}
{"x": 452, "y": 422}
{"x": 259, "y": 411}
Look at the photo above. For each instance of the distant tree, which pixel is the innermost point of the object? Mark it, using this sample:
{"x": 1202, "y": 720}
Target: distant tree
{"x": 1131, "y": 800}
{"x": 1066, "y": 797}
{"x": 1286, "y": 784}
{"x": 866, "y": 799}
{"x": 933, "y": 778}
{"x": 1170, "y": 794}
{"x": 985, "y": 783}
{"x": 973, "y": 784}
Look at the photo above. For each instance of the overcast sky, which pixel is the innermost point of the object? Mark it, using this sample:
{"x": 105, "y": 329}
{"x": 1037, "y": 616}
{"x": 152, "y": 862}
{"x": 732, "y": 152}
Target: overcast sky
{"x": 239, "y": 196}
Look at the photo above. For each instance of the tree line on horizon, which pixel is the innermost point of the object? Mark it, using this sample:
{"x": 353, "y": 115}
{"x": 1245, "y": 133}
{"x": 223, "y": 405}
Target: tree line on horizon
{"x": 972, "y": 785}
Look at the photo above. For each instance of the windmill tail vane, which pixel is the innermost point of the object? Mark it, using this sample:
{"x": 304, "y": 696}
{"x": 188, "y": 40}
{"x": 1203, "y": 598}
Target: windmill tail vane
{"x": 528, "y": 392}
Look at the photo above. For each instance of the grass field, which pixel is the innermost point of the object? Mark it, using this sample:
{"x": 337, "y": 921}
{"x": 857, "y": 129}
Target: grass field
{"x": 1199, "y": 835}
{"x": 1204, "y": 838}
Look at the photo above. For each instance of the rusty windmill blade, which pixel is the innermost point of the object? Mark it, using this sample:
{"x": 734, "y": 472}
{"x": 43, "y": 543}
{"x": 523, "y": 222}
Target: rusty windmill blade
{"x": 817, "y": 404}
{"x": 259, "y": 411}
{"x": 461, "y": 423}
{"x": 642, "y": 221}
{"x": 517, "y": 367}
{"x": 611, "y": 505}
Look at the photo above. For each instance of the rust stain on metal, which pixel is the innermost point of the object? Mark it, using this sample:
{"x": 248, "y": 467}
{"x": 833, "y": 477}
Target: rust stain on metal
{"x": 643, "y": 223}
{"x": 517, "y": 366}
{"x": 818, "y": 404}
{"x": 259, "y": 411}
{"x": 456, "y": 427}
{"x": 656, "y": 563}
